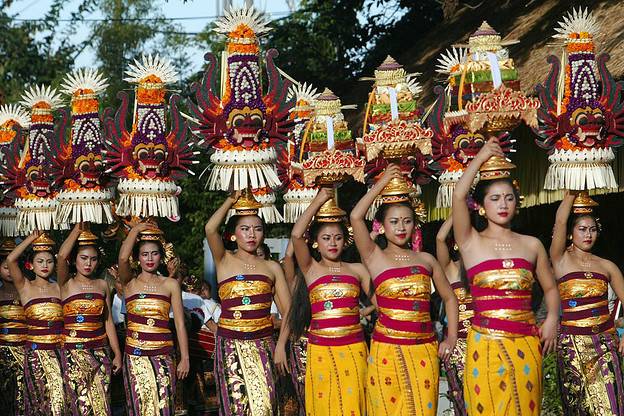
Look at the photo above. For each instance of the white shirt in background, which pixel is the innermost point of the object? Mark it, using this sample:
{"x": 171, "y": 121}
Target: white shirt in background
{"x": 275, "y": 310}
{"x": 194, "y": 304}
{"x": 212, "y": 309}
{"x": 118, "y": 309}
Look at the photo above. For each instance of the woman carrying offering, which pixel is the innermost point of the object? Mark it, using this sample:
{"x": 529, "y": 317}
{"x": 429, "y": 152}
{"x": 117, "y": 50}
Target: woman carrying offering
{"x": 89, "y": 328}
{"x": 503, "y": 374}
{"x": 12, "y": 339}
{"x": 149, "y": 368}
{"x": 246, "y": 353}
{"x": 326, "y": 300}
{"x": 403, "y": 369}
{"x": 43, "y": 394}
{"x": 590, "y": 370}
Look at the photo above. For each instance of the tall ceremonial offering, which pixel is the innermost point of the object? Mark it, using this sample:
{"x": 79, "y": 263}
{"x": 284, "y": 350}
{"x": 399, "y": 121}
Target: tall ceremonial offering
{"x": 331, "y": 156}
{"x": 77, "y": 163}
{"x": 393, "y": 97}
{"x": 454, "y": 145}
{"x": 28, "y": 173}
{"x": 487, "y": 89}
{"x": 149, "y": 158}
{"x": 582, "y": 114}
{"x": 243, "y": 124}
{"x": 393, "y": 132}
{"x": 13, "y": 121}
{"x": 298, "y": 196}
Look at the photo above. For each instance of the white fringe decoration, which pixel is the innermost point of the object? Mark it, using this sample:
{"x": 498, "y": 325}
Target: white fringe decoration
{"x": 448, "y": 180}
{"x": 85, "y": 205}
{"x": 372, "y": 210}
{"x": 242, "y": 169}
{"x": 8, "y": 222}
{"x": 296, "y": 202}
{"x": 580, "y": 170}
{"x": 37, "y": 214}
{"x": 148, "y": 198}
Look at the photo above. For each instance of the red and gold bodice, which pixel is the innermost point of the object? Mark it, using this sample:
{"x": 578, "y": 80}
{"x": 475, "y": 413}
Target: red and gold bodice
{"x": 466, "y": 310}
{"x": 246, "y": 307}
{"x": 584, "y": 303}
{"x": 83, "y": 315}
{"x": 44, "y": 319}
{"x": 148, "y": 330}
{"x": 335, "y": 311}
{"x": 501, "y": 296}
{"x": 12, "y": 322}
{"x": 404, "y": 303}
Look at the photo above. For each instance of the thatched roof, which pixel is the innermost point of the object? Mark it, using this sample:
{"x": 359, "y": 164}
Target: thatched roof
{"x": 532, "y": 23}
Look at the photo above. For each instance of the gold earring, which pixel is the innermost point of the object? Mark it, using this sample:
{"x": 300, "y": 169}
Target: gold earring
{"x": 382, "y": 230}
{"x": 482, "y": 211}
{"x": 517, "y": 211}
{"x": 232, "y": 238}
{"x": 570, "y": 238}
{"x": 315, "y": 245}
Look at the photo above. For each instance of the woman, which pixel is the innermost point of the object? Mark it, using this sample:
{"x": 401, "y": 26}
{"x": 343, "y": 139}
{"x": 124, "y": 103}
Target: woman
{"x": 12, "y": 339}
{"x": 89, "y": 327}
{"x": 326, "y": 300}
{"x": 403, "y": 369}
{"x": 43, "y": 394}
{"x": 503, "y": 374}
{"x": 455, "y": 273}
{"x": 590, "y": 371}
{"x": 298, "y": 352}
{"x": 149, "y": 368}
{"x": 244, "y": 363}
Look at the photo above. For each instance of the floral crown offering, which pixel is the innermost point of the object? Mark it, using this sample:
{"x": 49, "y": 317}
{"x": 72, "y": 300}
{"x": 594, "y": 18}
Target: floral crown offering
{"x": 582, "y": 116}
{"x": 242, "y": 124}
{"x": 77, "y": 164}
{"x": 28, "y": 174}
{"x": 148, "y": 159}
{"x": 13, "y": 121}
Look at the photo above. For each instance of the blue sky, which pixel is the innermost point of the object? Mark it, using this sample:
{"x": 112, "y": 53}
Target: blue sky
{"x": 36, "y": 9}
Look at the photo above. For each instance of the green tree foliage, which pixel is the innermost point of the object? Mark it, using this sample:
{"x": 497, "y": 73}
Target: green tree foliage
{"x": 130, "y": 28}
{"x": 32, "y": 52}
{"x": 332, "y": 43}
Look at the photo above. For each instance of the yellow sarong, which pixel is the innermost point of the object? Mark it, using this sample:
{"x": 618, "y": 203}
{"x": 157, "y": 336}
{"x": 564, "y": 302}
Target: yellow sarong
{"x": 503, "y": 375}
{"x": 402, "y": 379}
{"x": 335, "y": 380}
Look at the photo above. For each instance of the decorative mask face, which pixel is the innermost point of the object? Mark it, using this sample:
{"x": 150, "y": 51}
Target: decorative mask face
{"x": 89, "y": 169}
{"x": 466, "y": 145}
{"x": 149, "y": 159}
{"x": 37, "y": 181}
{"x": 587, "y": 126}
{"x": 246, "y": 127}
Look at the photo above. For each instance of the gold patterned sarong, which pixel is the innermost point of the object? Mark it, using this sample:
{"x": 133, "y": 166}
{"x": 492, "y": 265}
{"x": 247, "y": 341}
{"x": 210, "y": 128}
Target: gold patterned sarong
{"x": 402, "y": 380}
{"x": 336, "y": 380}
